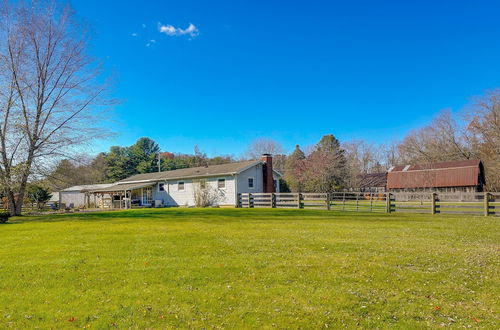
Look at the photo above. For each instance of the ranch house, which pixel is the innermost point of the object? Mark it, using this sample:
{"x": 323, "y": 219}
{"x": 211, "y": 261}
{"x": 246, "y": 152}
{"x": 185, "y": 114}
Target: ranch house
{"x": 178, "y": 187}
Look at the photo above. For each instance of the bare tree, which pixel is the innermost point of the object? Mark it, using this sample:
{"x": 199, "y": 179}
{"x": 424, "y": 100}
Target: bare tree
{"x": 444, "y": 139}
{"x": 50, "y": 97}
{"x": 362, "y": 158}
{"x": 389, "y": 154}
{"x": 483, "y": 118}
{"x": 263, "y": 146}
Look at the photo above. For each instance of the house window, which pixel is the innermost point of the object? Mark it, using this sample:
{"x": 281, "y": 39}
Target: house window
{"x": 180, "y": 186}
{"x": 250, "y": 182}
{"x": 161, "y": 187}
{"x": 221, "y": 183}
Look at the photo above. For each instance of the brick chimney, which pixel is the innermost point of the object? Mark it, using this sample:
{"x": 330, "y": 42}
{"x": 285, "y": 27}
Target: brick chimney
{"x": 267, "y": 173}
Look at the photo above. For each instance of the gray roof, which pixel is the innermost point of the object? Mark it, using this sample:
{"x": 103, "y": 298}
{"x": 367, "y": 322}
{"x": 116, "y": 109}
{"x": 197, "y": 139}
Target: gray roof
{"x": 193, "y": 172}
{"x": 88, "y": 187}
{"x": 123, "y": 187}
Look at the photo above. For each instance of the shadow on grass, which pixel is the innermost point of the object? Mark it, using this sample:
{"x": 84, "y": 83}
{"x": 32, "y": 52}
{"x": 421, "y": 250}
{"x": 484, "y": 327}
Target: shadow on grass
{"x": 221, "y": 216}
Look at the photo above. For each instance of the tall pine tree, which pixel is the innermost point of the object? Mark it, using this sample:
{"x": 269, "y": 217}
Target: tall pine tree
{"x": 294, "y": 166}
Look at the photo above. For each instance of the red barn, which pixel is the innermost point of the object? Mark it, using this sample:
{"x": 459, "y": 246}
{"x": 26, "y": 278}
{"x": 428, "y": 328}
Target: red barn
{"x": 453, "y": 176}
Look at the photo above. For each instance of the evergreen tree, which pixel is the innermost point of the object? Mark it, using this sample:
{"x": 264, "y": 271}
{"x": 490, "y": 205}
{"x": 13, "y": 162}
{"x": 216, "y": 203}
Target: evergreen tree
{"x": 144, "y": 155}
{"x": 38, "y": 195}
{"x": 118, "y": 164}
{"x": 294, "y": 166}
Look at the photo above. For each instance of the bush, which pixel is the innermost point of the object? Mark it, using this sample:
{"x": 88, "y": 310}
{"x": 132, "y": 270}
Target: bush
{"x": 38, "y": 195}
{"x": 4, "y": 217}
{"x": 204, "y": 195}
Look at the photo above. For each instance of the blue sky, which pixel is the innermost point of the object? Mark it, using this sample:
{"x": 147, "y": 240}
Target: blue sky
{"x": 289, "y": 70}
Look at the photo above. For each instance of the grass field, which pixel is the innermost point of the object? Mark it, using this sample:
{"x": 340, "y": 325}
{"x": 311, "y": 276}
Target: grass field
{"x": 249, "y": 268}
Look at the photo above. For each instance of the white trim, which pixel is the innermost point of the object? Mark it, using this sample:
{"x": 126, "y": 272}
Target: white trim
{"x": 278, "y": 172}
{"x": 183, "y": 185}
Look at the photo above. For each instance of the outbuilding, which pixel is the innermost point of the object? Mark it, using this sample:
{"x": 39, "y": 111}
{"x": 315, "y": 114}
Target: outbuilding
{"x": 452, "y": 176}
{"x": 78, "y": 196}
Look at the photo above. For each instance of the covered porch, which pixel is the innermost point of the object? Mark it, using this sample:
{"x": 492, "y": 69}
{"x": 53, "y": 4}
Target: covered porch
{"x": 124, "y": 196}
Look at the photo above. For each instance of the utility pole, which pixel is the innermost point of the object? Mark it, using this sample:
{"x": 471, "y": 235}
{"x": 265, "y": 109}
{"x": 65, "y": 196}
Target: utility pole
{"x": 159, "y": 162}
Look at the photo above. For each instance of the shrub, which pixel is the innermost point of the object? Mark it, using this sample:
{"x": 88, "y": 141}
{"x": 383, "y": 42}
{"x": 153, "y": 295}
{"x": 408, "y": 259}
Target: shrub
{"x": 38, "y": 195}
{"x": 4, "y": 217}
{"x": 204, "y": 195}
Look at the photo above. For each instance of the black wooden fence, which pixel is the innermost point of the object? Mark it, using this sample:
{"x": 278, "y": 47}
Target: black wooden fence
{"x": 418, "y": 202}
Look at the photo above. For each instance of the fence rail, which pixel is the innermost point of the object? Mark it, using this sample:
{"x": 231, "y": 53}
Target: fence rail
{"x": 432, "y": 203}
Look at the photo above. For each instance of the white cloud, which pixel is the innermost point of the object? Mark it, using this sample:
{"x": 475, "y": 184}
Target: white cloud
{"x": 171, "y": 30}
{"x": 134, "y": 34}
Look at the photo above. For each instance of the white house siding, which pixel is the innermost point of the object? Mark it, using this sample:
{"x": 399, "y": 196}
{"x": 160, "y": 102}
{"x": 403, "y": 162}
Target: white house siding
{"x": 276, "y": 179}
{"x": 173, "y": 197}
{"x": 254, "y": 172}
{"x": 77, "y": 199}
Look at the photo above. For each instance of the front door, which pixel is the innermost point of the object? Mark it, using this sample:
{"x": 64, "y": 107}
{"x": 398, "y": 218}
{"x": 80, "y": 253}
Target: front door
{"x": 147, "y": 196}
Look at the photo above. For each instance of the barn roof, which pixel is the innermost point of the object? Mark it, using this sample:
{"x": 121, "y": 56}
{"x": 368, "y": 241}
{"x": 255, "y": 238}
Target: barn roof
{"x": 462, "y": 173}
{"x": 372, "y": 180}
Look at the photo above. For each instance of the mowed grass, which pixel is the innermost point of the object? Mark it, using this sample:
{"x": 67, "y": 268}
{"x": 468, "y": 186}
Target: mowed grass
{"x": 249, "y": 268}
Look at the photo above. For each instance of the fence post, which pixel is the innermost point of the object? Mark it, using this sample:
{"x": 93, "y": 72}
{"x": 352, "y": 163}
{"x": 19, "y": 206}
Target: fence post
{"x": 371, "y": 202}
{"x": 388, "y": 202}
{"x": 343, "y": 203}
{"x": 433, "y": 203}
{"x": 273, "y": 200}
{"x": 486, "y": 204}
{"x": 328, "y": 207}
{"x": 238, "y": 200}
{"x": 299, "y": 195}
{"x": 250, "y": 200}
{"x": 357, "y": 202}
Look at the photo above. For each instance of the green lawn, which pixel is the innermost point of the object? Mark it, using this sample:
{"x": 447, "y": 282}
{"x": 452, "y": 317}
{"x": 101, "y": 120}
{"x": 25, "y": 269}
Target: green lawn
{"x": 234, "y": 268}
